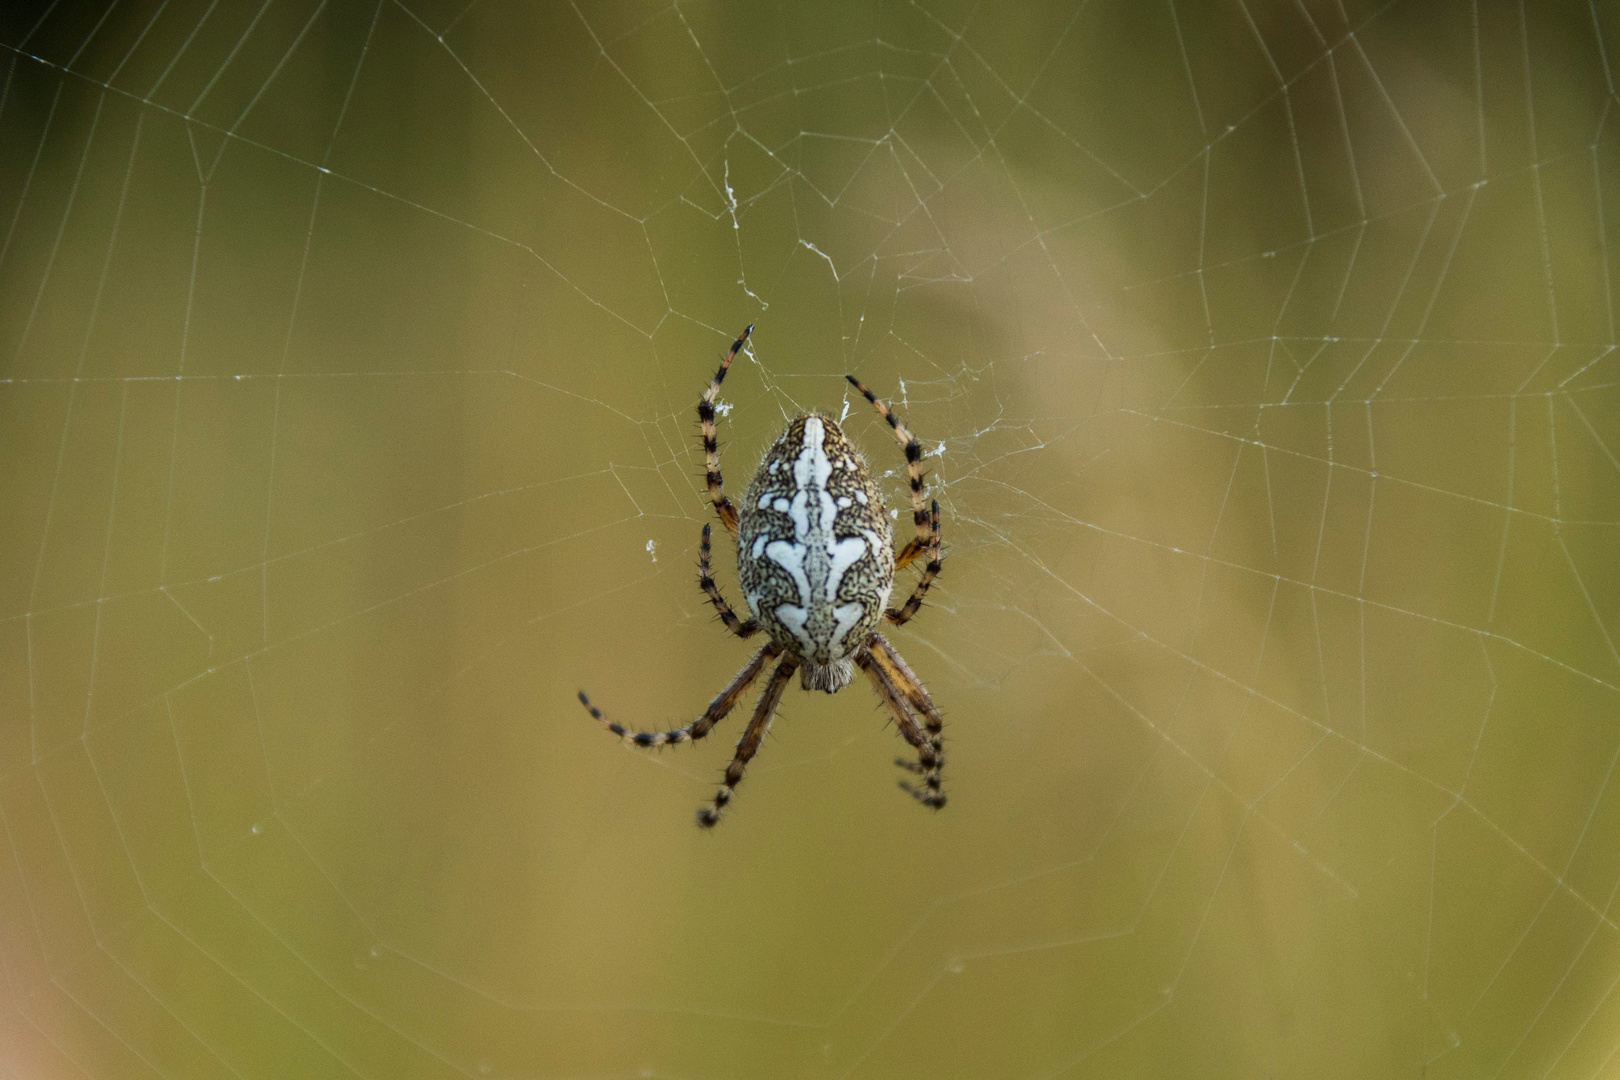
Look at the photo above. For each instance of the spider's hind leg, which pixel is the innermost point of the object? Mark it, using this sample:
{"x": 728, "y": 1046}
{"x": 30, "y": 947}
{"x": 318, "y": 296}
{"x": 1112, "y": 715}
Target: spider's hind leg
{"x": 711, "y": 444}
{"x": 914, "y": 474}
{"x": 902, "y": 615}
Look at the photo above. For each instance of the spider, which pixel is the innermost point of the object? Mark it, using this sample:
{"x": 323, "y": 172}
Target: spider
{"x": 816, "y": 563}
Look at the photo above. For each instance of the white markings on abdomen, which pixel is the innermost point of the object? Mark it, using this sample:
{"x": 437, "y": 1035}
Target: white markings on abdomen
{"x": 815, "y": 559}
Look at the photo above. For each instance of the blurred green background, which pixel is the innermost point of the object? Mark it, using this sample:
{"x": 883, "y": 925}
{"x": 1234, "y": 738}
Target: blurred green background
{"x": 1265, "y": 357}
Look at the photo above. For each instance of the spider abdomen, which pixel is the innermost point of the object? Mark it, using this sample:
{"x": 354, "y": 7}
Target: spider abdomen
{"x": 814, "y": 550}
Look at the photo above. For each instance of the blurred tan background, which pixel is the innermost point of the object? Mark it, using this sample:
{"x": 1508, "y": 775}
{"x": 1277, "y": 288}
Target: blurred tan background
{"x": 1265, "y": 357}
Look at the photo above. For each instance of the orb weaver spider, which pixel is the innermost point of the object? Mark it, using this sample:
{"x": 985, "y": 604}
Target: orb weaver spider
{"x": 816, "y": 562}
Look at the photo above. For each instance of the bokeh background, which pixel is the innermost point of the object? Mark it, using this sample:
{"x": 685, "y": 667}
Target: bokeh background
{"x": 1265, "y": 357}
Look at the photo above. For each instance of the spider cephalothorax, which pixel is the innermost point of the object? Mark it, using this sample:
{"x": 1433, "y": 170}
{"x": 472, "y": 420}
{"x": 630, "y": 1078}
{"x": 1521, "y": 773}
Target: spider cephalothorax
{"x": 816, "y": 562}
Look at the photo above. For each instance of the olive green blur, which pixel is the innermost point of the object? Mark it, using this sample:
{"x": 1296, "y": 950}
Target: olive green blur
{"x": 1264, "y": 355}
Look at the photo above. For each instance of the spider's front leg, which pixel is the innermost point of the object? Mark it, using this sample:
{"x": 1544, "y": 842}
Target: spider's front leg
{"x": 900, "y": 691}
{"x": 717, "y": 710}
{"x": 748, "y": 745}
{"x": 711, "y": 445}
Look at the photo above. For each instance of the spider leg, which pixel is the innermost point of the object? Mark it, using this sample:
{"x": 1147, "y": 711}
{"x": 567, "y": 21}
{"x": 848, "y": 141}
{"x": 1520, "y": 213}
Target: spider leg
{"x": 748, "y": 746}
{"x": 919, "y": 509}
{"x": 929, "y": 757}
{"x": 706, "y": 582}
{"x": 717, "y": 710}
{"x": 900, "y": 616}
{"x": 906, "y": 681}
{"x": 711, "y": 445}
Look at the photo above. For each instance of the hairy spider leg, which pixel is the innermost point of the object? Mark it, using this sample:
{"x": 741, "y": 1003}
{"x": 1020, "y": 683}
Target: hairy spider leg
{"x": 711, "y": 589}
{"x": 748, "y": 745}
{"x": 902, "y": 615}
{"x": 914, "y": 472}
{"x": 717, "y": 710}
{"x": 711, "y": 445}
{"x": 930, "y": 756}
{"x": 907, "y": 682}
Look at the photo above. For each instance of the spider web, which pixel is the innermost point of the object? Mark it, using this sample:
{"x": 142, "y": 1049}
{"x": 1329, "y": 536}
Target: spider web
{"x": 1264, "y": 354}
